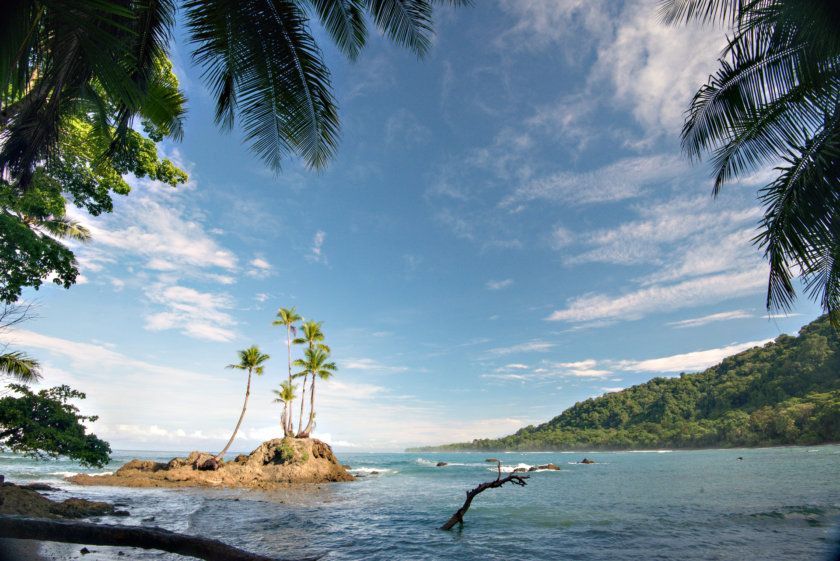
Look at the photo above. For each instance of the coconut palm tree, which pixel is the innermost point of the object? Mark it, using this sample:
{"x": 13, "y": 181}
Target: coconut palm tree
{"x": 250, "y": 359}
{"x": 312, "y": 336}
{"x": 20, "y": 367}
{"x": 775, "y": 98}
{"x": 288, "y": 318}
{"x": 315, "y": 364}
{"x": 259, "y": 59}
{"x": 285, "y": 395}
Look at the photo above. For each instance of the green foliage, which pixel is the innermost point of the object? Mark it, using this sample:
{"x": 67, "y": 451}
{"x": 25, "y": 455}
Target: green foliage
{"x": 288, "y": 453}
{"x": 33, "y": 220}
{"x": 786, "y": 392}
{"x": 45, "y": 425}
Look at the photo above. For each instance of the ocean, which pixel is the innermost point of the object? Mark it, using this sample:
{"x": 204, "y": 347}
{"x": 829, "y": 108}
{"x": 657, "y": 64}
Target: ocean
{"x": 775, "y": 503}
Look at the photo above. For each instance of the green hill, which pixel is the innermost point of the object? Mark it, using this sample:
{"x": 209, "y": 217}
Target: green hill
{"x": 786, "y": 392}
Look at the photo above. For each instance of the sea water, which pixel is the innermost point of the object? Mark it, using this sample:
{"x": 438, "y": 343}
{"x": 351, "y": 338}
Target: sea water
{"x": 775, "y": 503}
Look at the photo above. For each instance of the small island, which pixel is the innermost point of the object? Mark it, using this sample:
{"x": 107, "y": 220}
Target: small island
{"x": 281, "y": 461}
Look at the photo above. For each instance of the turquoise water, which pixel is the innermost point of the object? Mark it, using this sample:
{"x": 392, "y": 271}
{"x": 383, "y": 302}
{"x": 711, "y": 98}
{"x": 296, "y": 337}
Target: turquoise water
{"x": 776, "y": 503}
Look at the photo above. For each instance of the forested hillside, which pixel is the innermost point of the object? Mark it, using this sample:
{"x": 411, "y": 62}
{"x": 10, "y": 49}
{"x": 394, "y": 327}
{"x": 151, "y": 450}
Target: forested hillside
{"x": 786, "y": 392}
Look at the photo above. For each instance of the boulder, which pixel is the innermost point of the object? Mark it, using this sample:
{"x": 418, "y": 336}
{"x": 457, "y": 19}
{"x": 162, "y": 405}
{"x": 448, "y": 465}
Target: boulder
{"x": 39, "y": 487}
{"x": 550, "y": 466}
{"x": 587, "y": 461}
{"x": 22, "y": 501}
{"x": 143, "y": 466}
{"x": 441, "y": 464}
{"x": 520, "y": 470}
{"x": 210, "y": 464}
{"x": 532, "y": 468}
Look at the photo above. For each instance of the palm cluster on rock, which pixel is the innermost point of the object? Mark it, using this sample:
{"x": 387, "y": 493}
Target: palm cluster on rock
{"x": 315, "y": 364}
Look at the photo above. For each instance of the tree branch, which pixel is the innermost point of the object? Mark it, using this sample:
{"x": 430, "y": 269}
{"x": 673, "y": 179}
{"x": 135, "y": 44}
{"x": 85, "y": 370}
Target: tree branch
{"x": 66, "y": 531}
{"x": 458, "y": 517}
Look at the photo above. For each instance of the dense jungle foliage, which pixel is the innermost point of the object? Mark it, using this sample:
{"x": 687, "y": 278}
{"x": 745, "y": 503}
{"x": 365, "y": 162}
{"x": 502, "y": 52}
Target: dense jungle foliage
{"x": 786, "y": 392}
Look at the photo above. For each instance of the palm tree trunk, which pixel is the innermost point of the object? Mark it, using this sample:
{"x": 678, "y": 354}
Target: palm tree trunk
{"x": 287, "y": 428}
{"x": 302, "y": 403}
{"x": 247, "y": 393}
{"x": 308, "y": 428}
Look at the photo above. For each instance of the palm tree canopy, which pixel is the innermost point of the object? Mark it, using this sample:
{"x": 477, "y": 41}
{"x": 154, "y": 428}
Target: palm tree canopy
{"x": 286, "y": 393}
{"x": 287, "y": 318}
{"x": 316, "y": 363}
{"x": 259, "y": 59}
{"x": 20, "y": 367}
{"x": 312, "y": 335}
{"x": 250, "y": 359}
{"x": 774, "y": 100}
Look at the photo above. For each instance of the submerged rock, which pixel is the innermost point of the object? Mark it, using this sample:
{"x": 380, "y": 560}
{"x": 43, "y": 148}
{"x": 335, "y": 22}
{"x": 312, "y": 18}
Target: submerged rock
{"x": 441, "y": 464}
{"x": 278, "y": 461}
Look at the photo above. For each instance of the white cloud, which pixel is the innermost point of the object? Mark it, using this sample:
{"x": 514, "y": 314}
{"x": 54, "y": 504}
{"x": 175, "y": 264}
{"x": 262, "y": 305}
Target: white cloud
{"x": 159, "y": 230}
{"x": 653, "y": 68}
{"x": 642, "y": 64}
{"x": 370, "y": 365}
{"x": 711, "y": 318}
{"x": 625, "y": 179}
{"x": 688, "y": 362}
{"x": 261, "y": 264}
{"x": 316, "y": 254}
{"x": 662, "y": 298}
{"x": 611, "y": 390}
{"x": 193, "y": 313}
{"x": 529, "y": 347}
{"x": 499, "y": 285}
{"x": 581, "y": 369}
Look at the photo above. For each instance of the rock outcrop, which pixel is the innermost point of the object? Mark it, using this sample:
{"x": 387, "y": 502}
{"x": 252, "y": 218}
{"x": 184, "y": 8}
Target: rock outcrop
{"x": 278, "y": 461}
{"x": 22, "y": 501}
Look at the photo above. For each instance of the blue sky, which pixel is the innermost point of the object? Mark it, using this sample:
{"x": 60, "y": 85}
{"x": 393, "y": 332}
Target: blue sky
{"x": 508, "y": 228}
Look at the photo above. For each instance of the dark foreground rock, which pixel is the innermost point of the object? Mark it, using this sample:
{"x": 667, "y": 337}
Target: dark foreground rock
{"x": 22, "y": 501}
{"x": 278, "y": 461}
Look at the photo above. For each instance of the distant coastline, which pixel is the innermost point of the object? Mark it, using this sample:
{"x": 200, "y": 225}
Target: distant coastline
{"x": 784, "y": 393}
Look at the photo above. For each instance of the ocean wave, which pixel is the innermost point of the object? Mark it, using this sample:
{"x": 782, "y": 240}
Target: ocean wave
{"x": 424, "y": 462}
{"x": 509, "y": 469}
{"x": 369, "y": 471}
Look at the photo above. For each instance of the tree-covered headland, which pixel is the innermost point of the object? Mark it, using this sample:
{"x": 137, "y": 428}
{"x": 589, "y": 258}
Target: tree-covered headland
{"x": 786, "y": 392}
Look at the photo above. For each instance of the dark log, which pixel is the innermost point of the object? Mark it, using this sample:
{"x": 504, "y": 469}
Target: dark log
{"x": 66, "y": 531}
{"x": 458, "y": 517}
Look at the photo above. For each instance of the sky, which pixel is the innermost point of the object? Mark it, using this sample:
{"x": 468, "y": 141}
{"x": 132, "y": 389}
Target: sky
{"x": 509, "y": 227}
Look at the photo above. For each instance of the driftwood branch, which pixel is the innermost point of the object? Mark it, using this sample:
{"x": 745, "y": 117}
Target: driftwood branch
{"x": 458, "y": 517}
{"x": 66, "y": 531}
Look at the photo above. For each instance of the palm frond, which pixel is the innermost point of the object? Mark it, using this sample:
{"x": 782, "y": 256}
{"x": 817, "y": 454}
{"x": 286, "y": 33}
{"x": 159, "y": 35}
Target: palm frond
{"x": 726, "y": 12}
{"x": 801, "y": 225}
{"x": 20, "y": 367}
{"x": 407, "y": 23}
{"x": 344, "y": 21}
{"x": 260, "y": 60}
